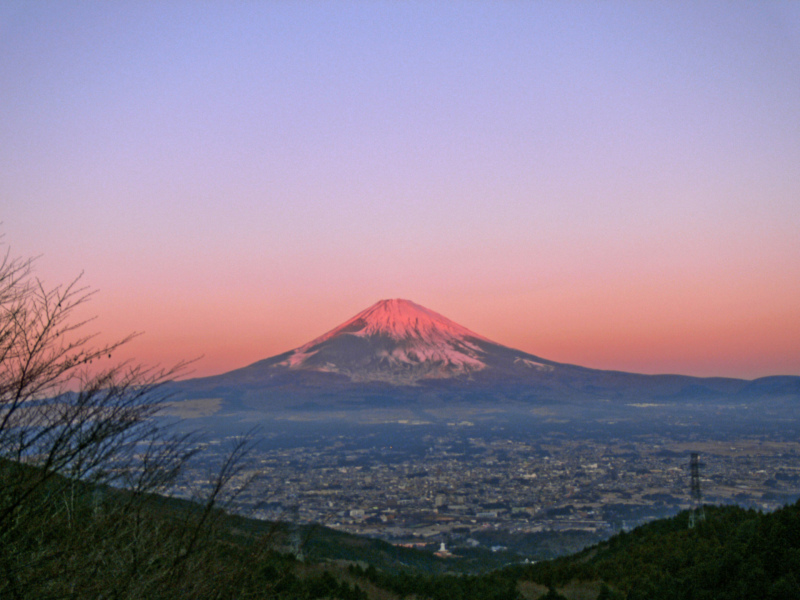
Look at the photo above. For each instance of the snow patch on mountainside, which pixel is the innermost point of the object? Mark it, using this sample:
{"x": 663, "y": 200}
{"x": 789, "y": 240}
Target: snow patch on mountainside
{"x": 534, "y": 364}
{"x": 297, "y": 358}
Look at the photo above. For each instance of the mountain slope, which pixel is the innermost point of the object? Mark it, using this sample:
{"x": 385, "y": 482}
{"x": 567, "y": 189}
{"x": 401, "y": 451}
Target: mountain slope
{"x": 400, "y": 350}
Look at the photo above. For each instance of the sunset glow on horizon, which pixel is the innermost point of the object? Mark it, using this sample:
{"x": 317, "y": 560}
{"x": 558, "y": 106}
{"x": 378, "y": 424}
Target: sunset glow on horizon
{"x": 614, "y": 185}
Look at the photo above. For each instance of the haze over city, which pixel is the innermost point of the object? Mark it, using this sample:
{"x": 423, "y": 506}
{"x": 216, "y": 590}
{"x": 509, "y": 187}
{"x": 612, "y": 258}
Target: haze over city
{"x": 612, "y": 185}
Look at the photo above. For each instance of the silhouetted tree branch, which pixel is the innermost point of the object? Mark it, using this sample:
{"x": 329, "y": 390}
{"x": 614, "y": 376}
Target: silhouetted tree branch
{"x": 81, "y": 455}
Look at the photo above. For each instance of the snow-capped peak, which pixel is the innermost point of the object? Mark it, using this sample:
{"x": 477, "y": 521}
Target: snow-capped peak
{"x": 396, "y": 334}
{"x": 400, "y": 320}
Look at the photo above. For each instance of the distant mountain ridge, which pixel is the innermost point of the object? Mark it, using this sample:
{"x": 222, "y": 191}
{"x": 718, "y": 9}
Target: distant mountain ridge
{"x": 399, "y": 350}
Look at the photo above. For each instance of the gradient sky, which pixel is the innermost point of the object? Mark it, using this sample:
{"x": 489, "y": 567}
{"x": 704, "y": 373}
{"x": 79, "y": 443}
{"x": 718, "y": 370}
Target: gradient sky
{"x": 611, "y": 184}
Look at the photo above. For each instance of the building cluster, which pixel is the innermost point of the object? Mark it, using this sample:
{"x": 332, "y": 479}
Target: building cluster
{"x": 459, "y": 486}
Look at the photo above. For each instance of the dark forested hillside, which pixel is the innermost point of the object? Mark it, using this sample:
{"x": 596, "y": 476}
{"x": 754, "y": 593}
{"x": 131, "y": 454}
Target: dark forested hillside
{"x": 732, "y": 554}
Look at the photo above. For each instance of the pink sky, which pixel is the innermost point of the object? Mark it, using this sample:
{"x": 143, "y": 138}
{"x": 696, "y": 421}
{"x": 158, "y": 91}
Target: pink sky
{"x": 611, "y": 185}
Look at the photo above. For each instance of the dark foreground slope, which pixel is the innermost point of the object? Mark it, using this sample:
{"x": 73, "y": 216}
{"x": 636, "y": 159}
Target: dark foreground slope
{"x": 733, "y": 554}
{"x": 70, "y": 539}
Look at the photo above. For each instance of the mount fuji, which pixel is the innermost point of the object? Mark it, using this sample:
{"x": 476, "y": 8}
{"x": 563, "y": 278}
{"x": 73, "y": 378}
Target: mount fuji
{"x": 397, "y": 352}
{"x": 397, "y": 342}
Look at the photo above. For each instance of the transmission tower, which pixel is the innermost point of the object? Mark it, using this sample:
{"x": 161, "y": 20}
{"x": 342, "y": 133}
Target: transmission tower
{"x": 697, "y": 513}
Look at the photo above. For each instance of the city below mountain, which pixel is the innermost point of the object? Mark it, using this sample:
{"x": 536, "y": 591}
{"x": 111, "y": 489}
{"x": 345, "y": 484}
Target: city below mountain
{"x": 399, "y": 351}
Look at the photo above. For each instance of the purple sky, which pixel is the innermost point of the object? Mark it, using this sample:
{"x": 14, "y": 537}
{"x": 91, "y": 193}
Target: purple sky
{"x": 611, "y": 184}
